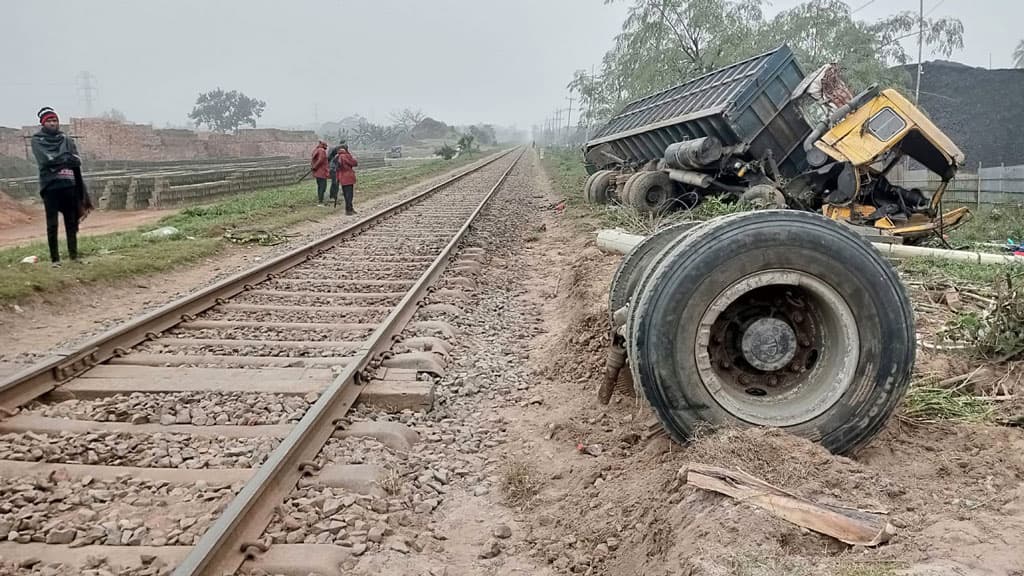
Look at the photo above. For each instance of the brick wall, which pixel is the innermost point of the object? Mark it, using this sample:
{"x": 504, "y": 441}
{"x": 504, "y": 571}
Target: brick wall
{"x": 100, "y": 139}
{"x": 11, "y": 143}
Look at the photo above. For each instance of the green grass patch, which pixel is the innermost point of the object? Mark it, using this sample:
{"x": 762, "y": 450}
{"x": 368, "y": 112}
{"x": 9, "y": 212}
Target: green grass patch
{"x": 992, "y": 224}
{"x": 126, "y": 254}
{"x": 955, "y": 272}
{"x": 931, "y": 404}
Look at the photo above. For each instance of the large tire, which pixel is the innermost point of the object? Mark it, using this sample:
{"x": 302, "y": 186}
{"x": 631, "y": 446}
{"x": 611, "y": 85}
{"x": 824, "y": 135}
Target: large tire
{"x": 597, "y": 190}
{"x": 649, "y": 192}
{"x": 634, "y": 265}
{"x": 586, "y": 188}
{"x": 773, "y": 318}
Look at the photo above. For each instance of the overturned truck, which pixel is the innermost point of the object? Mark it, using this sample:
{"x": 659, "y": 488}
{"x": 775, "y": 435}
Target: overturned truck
{"x": 761, "y": 131}
{"x": 787, "y": 316}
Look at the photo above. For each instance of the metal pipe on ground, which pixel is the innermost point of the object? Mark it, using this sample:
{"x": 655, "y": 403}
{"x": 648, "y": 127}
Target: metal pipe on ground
{"x": 619, "y": 242}
{"x": 690, "y": 177}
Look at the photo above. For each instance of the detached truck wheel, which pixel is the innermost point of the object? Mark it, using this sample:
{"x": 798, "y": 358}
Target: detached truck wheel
{"x": 634, "y": 265}
{"x": 773, "y": 318}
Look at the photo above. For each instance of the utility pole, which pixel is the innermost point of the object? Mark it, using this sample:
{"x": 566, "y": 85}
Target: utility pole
{"x": 920, "y": 50}
{"x": 568, "y": 122}
{"x": 558, "y": 125}
{"x": 86, "y": 91}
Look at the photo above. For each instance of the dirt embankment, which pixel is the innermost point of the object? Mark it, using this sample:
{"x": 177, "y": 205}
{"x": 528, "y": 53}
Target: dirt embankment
{"x": 13, "y": 212}
{"x": 954, "y": 491}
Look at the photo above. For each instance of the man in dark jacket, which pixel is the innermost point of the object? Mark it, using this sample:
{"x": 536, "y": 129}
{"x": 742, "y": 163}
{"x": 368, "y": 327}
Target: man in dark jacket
{"x": 347, "y": 176}
{"x": 319, "y": 167}
{"x": 332, "y": 160}
{"x": 60, "y": 182}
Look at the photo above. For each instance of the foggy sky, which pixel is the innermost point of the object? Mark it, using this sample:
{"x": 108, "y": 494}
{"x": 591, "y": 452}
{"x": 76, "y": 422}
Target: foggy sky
{"x": 460, "y": 61}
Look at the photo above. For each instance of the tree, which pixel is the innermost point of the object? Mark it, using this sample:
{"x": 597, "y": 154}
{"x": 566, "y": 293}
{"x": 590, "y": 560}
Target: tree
{"x": 1018, "y": 55}
{"x": 466, "y": 142}
{"x": 225, "y": 111}
{"x": 667, "y": 42}
{"x": 407, "y": 119}
{"x": 484, "y": 134}
{"x": 447, "y": 151}
{"x": 114, "y": 115}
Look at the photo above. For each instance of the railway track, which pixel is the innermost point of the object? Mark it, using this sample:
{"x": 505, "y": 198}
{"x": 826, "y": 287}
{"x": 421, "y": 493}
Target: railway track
{"x": 174, "y": 441}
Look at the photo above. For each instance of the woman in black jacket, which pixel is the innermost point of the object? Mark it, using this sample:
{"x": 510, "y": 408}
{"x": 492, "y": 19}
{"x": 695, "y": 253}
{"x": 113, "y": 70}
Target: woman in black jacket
{"x": 60, "y": 182}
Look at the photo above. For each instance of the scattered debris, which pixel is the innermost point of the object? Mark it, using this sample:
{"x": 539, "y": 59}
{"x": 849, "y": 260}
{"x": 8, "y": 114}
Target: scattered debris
{"x": 519, "y": 482}
{"x": 162, "y": 233}
{"x": 849, "y": 525}
{"x": 30, "y": 259}
{"x": 261, "y": 237}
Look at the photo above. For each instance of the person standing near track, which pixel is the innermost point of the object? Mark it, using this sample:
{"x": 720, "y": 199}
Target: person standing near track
{"x": 332, "y": 160}
{"x": 60, "y": 183}
{"x": 347, "y": 175}
{"x": 319, "y": 166}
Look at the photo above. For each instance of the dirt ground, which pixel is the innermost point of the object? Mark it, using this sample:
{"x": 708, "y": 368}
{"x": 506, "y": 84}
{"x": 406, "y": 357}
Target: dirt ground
{"x": 953, "y": 491}
{"x": 590, "y": 489}
{"x": 28, "y": 223}
{"x": 601, "y": 486}
{"x": 13, "y": 213}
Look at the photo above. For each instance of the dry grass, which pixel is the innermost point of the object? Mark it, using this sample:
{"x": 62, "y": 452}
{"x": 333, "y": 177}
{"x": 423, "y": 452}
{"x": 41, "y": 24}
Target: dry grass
{"x": 770, "y": 454}
{"x": 995, "y": 332}
{"x": 519, "y": 482}
{"x": 391, "y": 482}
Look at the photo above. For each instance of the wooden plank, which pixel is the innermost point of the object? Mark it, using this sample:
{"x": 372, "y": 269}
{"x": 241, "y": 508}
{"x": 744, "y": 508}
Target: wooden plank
{"x": 107, "y": 380}
{"x": 849, "y": 525}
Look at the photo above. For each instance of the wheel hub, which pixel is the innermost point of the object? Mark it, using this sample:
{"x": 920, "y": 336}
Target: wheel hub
{"x": 777, "y": 348}
{"x": 769, "y": 344}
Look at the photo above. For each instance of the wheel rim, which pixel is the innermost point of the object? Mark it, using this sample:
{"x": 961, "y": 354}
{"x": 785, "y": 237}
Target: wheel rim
{"x": 656, "y": 196}
{"x": 777, "y": 348}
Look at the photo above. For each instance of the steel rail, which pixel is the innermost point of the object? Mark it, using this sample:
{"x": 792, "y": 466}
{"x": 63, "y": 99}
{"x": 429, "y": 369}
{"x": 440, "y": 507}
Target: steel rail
{"x": 235, "y": 534}
{"x": 42, "y": 377}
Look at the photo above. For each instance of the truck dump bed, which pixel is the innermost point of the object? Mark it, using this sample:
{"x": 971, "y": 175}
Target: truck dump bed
{"x": 744, "y": 103}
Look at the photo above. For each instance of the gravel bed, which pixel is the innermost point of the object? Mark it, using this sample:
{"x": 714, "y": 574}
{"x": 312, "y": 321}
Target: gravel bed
{"x": 326, "y": 333}
{"x": 125, "y": 512}
{"x": 314, "y": 301}
{"x": 196, "y": 408}
{"x": 379, "y": 248}
{"x": 458, "y": 440}
{"x": 95, "y": 566}
{"x": 398, "y": 237}
{"x": 309, "y": 315}
{"x": 333, "y": 283}
{"x": 380, "y": 270}
{"x": 158, "y": 450}
{"x": 243, "y": 350}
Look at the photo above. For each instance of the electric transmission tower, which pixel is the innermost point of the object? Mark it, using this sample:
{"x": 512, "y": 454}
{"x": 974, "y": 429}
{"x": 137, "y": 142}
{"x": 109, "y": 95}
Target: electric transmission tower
{"x": 86, "y": 91}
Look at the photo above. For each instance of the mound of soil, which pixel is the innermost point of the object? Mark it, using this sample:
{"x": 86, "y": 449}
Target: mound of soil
{"x": 616, "y": 505}
{"x": 12, "y": 212}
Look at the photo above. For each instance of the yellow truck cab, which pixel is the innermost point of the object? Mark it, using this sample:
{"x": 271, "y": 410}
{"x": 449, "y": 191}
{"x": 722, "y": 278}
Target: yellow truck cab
{"x": 874, "y": 138}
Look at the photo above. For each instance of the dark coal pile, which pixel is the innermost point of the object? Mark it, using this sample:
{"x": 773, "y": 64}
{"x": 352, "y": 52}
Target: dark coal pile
{"x": 981, "y": 110}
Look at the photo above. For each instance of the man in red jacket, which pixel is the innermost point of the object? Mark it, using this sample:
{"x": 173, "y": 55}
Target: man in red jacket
{"x": 347, "y": 175}
{"x": 319, "y": 166}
